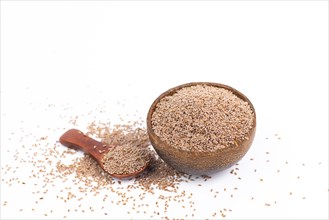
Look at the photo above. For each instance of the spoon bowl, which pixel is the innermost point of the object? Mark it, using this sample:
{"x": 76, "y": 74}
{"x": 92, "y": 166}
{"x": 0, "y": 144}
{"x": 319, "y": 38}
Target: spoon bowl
{"x": 77, "y": 140}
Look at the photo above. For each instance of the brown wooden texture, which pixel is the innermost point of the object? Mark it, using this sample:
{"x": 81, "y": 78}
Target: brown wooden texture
{"x": 75, "y": 139}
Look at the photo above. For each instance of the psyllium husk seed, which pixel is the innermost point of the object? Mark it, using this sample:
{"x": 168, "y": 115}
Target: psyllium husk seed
{"x": 125, "y": 159}
{"x": 202, "y": 118}
{"x": 56, "y": 174}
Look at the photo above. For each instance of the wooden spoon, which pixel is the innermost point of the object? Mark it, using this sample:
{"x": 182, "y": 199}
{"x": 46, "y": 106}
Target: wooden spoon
{"x": 77, "y": 140}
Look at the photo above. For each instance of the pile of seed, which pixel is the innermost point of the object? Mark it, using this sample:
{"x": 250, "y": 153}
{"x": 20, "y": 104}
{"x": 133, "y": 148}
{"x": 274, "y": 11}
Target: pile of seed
{"x": 158, "y": 173}
{"x": 125, "y": 159}
{"x": 202, "y": 118}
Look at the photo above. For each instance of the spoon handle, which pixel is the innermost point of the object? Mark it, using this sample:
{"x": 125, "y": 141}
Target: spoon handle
{"x": 75, "y": 139}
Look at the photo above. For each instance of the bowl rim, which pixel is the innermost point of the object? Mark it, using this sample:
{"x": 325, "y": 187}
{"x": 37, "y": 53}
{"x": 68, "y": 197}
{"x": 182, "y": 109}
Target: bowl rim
{"x": 172, "y": 91}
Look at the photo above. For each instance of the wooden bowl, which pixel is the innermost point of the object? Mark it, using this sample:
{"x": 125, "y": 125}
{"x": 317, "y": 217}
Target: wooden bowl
{"x": 196, "y": 162}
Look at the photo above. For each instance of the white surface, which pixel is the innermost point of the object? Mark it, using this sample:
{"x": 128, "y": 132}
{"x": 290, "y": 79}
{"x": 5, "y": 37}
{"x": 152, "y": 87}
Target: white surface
{"x": 83, "y": 55}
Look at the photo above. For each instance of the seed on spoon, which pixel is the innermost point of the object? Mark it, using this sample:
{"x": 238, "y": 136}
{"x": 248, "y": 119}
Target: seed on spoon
{"x": 120, "y": 162}
{"x": 125, "y": 159}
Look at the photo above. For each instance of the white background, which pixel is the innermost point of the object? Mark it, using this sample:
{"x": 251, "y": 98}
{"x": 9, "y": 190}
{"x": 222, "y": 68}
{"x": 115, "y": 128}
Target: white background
{"x": 87, "y": 54}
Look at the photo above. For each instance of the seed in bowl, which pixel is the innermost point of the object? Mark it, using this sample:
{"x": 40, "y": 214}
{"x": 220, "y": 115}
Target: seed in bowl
{"x": 202, "y": 118}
